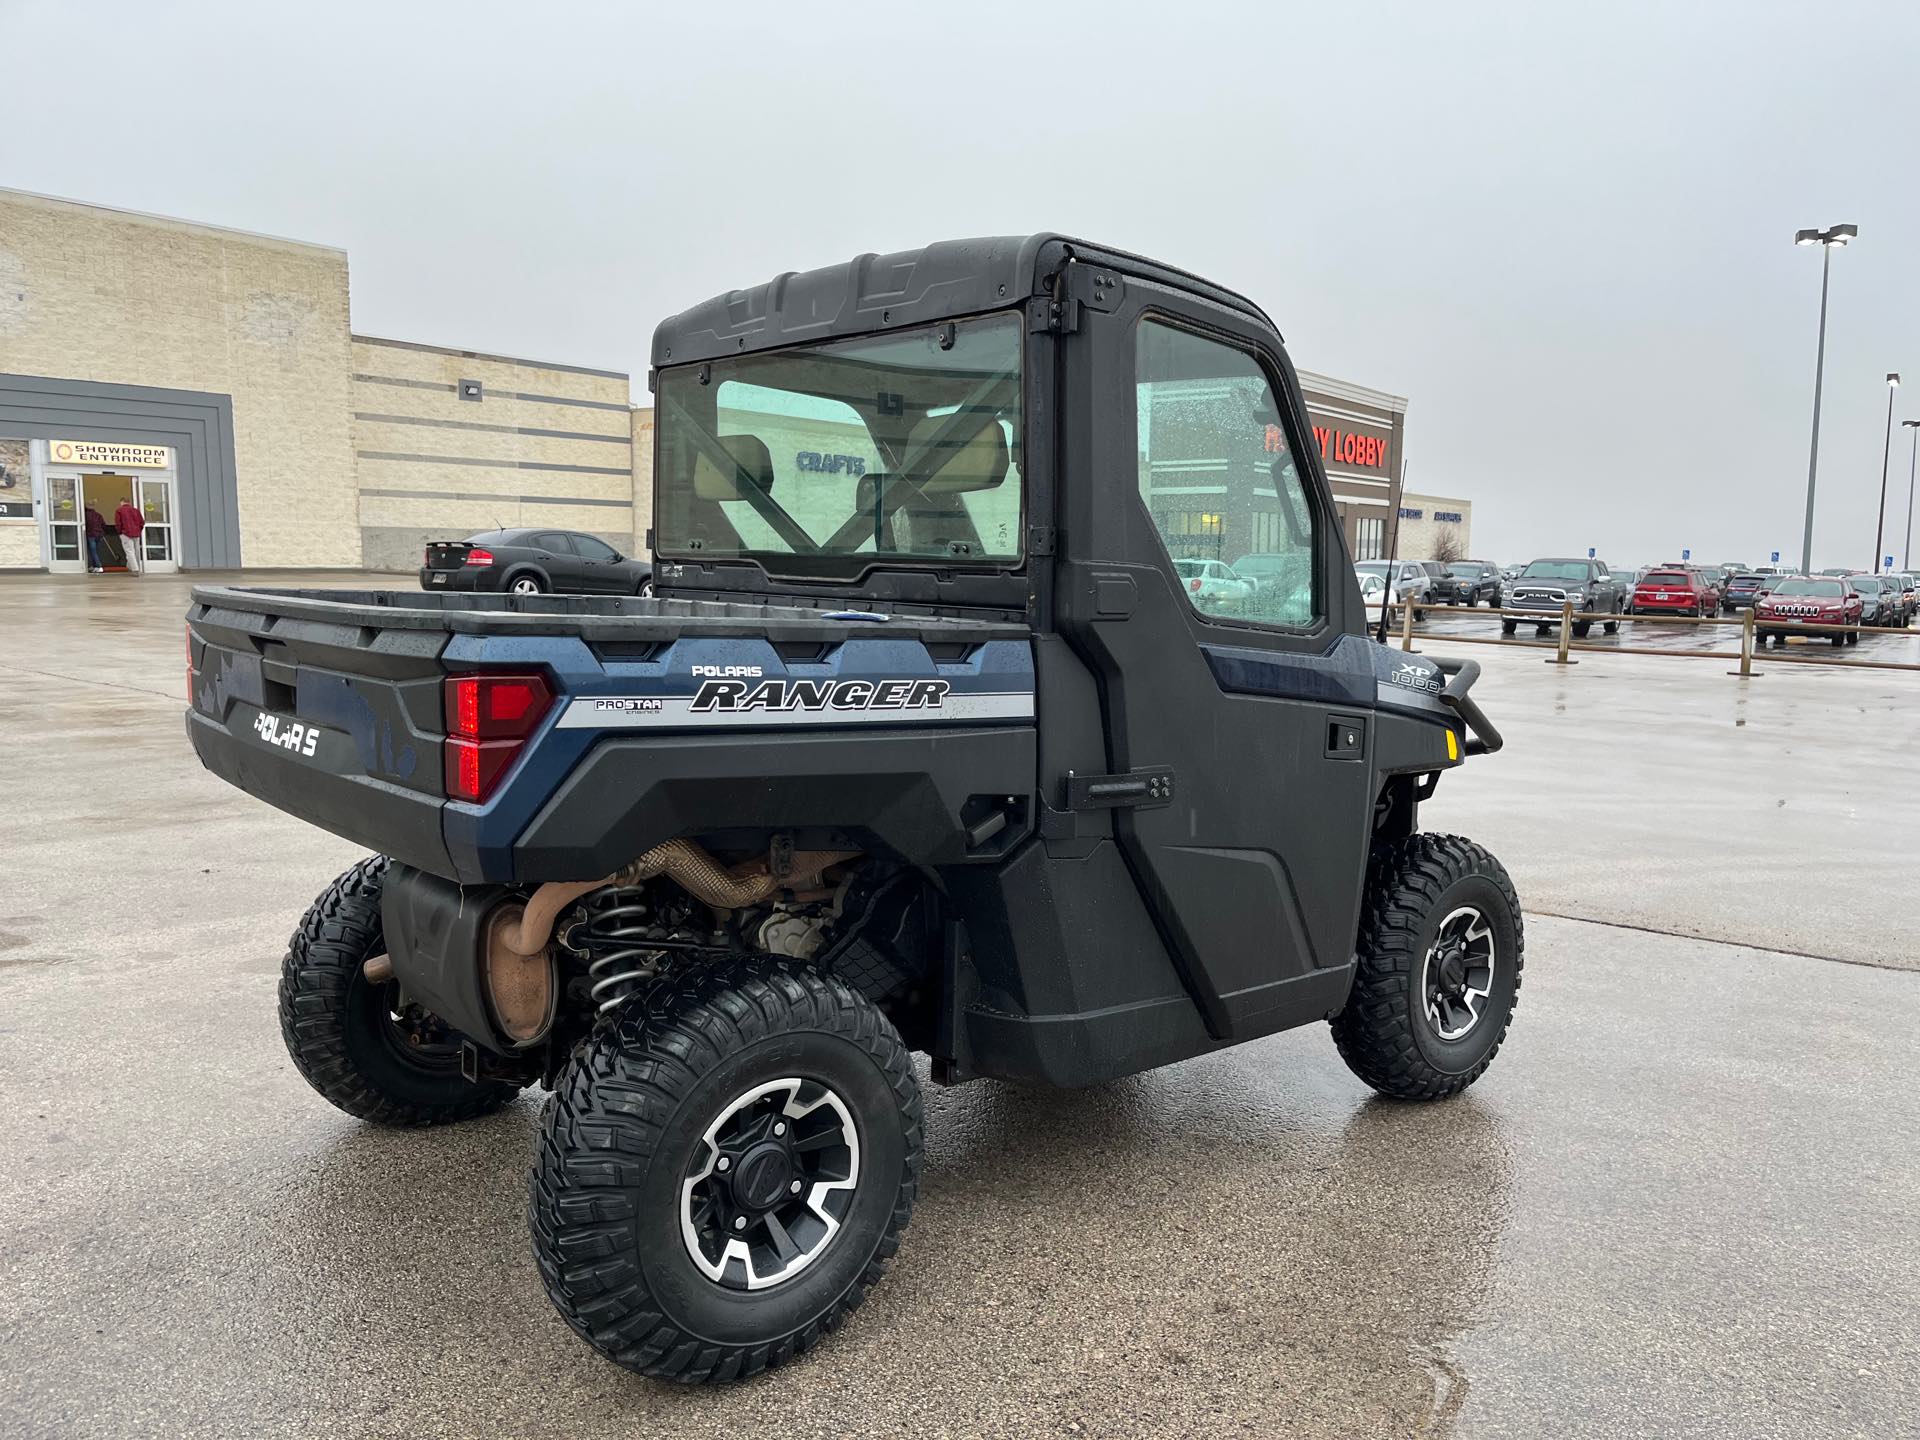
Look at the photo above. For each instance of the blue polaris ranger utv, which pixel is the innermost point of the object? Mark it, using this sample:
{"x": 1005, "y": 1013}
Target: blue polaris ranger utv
{"x": 1005, "y": 695}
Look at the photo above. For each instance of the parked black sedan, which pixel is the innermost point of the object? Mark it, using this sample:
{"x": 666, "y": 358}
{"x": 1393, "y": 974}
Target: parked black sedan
{"x": 529, "y": 562}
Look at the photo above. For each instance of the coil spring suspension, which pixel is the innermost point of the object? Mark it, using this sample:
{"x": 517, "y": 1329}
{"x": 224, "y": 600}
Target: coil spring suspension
{"x": 617, "y": 935}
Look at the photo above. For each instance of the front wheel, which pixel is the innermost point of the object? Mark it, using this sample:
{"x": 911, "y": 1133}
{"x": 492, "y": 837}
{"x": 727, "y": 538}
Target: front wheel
{"x": 724, "y": 1172}
{"x": 363, "y": 1044}
{"x": 1507, "y": 627}
{"x": 1439, "y": 960}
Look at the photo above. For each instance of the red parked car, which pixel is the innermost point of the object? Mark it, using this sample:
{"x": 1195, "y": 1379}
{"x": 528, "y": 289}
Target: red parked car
{"x": 1675, "y": 590}
{"x": 1802, "y": 600}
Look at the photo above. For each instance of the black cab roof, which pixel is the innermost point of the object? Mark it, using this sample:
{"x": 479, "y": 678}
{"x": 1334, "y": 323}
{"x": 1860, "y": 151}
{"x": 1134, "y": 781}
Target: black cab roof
{"x": 906, "y": 288}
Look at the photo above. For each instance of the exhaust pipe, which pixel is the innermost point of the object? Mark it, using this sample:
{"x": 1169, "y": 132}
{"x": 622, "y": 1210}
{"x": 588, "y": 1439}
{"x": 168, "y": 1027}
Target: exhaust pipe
{"x": 689, "y": 866}
{"x": 517, "y": 974}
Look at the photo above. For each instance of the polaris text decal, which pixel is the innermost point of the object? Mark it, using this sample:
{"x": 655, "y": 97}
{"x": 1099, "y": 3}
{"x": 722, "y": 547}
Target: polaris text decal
{"x": 287, "y": 734}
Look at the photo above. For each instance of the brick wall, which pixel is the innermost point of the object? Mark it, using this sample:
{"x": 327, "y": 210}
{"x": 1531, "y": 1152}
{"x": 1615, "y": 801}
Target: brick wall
{"x": 94, "y": 294}
{"x": 1420, "y": 534}
{"x": 540, "y": 445}
{"x": 642, "y": 422}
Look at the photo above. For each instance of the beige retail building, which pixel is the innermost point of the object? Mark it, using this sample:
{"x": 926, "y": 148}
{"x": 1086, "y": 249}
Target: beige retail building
{"x": 213, "y": 377}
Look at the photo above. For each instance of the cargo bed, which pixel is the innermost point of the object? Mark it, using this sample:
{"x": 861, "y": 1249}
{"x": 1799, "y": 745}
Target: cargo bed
{"x": 331, "y": 705}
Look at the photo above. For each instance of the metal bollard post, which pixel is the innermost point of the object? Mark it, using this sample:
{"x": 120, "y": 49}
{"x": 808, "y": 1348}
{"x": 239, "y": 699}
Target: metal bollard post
{"x": 1566, "y": 634}
{"x": 1746, "y": 670}
{"x": 1406, "y": 626}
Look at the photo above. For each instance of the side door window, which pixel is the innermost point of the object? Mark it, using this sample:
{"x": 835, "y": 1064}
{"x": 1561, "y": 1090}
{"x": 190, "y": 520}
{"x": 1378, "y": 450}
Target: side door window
{"x": 597, "y": 563}
{"x": 1219, "y": 478}
{"x": 558, "y": 556}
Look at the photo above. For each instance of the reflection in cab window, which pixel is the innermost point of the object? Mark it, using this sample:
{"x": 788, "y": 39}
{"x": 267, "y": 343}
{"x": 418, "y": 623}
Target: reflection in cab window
{"x": 1218, "y": 477}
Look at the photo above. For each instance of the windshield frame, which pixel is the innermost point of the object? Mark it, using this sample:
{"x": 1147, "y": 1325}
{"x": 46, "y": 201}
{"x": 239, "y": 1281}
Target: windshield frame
{"x": 821, "y": 561}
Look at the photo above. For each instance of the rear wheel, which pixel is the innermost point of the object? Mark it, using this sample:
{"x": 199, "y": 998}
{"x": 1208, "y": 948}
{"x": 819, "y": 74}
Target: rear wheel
{"x": 361, "y": 1043}
{"x": 525, "y": 585}
{"x": 1440, "y": 953}
{"x": 724, "y": 1172}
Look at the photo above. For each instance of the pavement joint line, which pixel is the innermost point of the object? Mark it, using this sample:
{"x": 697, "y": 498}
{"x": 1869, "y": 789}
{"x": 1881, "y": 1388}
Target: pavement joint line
{"x": 83, "y": 680}
{"x": 1528, "y": 911}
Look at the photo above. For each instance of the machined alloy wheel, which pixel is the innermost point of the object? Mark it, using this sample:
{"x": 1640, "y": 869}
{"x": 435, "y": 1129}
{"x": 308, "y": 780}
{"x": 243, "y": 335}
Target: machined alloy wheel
{"x": 1457, "y": 973}
{"x": 781, "y": 1165}
{"x": 526, "y": 585}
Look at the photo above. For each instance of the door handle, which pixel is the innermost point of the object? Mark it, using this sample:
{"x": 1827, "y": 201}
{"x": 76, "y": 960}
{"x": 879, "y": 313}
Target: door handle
{"x": 1147, "y": 789}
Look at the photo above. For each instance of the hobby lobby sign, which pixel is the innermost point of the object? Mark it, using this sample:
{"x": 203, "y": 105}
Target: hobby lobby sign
{"x": 1343, "y": 447}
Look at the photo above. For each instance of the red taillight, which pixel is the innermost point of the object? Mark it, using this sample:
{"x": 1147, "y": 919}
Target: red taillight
{"x": 190, "y": 667}
{"x": 1194, "y": 585}
{"x": 479, "y": 557}
{"x": 489, "y": 718}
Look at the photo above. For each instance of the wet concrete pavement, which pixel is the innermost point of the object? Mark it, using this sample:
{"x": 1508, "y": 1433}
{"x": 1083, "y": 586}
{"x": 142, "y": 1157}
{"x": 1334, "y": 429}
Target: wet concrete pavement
{"x": 1679, "y": 1204}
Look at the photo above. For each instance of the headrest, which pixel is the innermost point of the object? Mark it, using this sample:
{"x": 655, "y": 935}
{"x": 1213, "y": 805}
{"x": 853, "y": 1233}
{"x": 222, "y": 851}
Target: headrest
{"x": 751, "y": 465}
{"x": 959, "y": 461}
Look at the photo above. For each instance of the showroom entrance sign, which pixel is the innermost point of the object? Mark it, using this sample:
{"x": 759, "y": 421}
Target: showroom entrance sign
{"x": 99, "y": 452}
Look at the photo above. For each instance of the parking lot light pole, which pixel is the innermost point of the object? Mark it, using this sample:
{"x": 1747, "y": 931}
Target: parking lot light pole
{"x": 1906, "y": 555}
{"x": 1880, "y": 522}
{"x": 1827, "y": 239}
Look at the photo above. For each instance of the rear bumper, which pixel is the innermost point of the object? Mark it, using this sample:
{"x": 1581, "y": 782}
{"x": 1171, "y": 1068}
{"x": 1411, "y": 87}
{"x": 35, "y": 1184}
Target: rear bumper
{"x": 386, "y": 818}
{"x": 467, "y": 577}
{"x": 1645, "y": 606}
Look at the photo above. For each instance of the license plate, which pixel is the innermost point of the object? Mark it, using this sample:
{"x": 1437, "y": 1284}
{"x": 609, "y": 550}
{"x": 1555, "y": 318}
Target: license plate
{"x": 439, "y": 579}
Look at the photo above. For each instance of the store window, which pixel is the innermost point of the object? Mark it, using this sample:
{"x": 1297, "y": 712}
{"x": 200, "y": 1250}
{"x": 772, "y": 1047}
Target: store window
{"x": 1370, "y": 538}
{"x": 1219, "y": 479}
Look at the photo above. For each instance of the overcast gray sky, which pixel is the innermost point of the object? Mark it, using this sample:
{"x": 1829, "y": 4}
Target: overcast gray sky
{"x": 1563, "y": 232}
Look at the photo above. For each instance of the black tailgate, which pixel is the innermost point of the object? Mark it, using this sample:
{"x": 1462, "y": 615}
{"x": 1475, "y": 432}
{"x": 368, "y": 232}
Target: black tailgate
{"x": 336, "y": 722}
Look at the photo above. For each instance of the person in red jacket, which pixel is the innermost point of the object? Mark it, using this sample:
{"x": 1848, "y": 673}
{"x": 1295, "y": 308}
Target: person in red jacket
{"x": 96, "y": 532}
{"x": 131, "y": 524}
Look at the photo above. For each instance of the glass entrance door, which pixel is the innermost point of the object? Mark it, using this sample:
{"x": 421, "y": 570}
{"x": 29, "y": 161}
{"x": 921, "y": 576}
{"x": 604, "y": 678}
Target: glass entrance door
{"x": 155, "y": 499}
{"x": 66, "y": 529}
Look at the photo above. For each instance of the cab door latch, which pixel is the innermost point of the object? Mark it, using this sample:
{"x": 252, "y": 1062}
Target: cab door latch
{"x": 1144, "y": 789}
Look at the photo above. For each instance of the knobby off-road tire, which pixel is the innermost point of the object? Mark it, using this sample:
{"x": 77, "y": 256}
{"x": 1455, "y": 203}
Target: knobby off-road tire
{"x": 1417, "y": 891}
{"x": 339, "y": 1026}
{"x": 638, "y": 1119}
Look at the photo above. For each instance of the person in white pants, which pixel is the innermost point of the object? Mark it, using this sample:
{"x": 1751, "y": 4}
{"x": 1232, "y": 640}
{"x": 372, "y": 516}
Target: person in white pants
{"x": 131, "y": 524}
